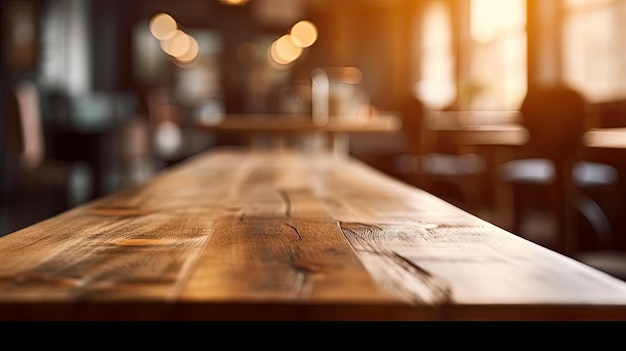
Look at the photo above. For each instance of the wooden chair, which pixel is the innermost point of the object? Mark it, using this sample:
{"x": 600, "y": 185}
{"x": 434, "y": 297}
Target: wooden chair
{"x": 438, "y": 165}
{"x": 549, "y": 175}
{"x": 35, "y": 185}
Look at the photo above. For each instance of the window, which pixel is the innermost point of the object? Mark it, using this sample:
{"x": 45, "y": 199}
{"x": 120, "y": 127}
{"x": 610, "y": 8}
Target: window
{"x": 472, "y": 54}
{"x": 436, "y": 83}
{"x": 496, "y": 77}
{"x": 594, "y": 48}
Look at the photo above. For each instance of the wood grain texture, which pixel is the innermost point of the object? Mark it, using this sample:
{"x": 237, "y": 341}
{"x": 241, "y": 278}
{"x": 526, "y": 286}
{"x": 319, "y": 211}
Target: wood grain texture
{"x": 279, "y": 235}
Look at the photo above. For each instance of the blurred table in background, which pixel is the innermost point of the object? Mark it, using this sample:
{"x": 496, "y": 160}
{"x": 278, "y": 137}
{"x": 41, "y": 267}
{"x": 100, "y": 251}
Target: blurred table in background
{"x": 283, "y": 130}
{"x": 471, "y": 128}
{"x": 605, "y": 138}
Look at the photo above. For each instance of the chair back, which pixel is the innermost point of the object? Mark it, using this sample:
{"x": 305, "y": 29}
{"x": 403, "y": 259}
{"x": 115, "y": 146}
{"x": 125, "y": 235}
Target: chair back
{"x": 555, "y": 117}
{"x": 27, "y": 144}
{"x": 413, "y": 112}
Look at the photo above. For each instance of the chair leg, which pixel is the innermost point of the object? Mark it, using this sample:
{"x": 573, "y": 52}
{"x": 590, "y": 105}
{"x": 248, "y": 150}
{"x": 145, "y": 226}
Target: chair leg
{"x": 519, "y": 207}
{"x": 538, "y": 214}
{"x": 596, "y": 216}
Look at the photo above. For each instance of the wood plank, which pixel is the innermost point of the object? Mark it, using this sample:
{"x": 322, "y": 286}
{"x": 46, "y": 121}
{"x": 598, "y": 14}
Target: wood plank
{"x": 282, "y": 244}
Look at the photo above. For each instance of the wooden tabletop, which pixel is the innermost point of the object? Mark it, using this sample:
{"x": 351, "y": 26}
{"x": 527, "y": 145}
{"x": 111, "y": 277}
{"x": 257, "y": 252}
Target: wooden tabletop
{"x": 284, "y": 130}
{"x": 503, "y": 128}
{"x": 301, "y": 123}
{"x": 478, "y": 128}
{"x": 608, "y": 138}
{"x": 279, "y": 235}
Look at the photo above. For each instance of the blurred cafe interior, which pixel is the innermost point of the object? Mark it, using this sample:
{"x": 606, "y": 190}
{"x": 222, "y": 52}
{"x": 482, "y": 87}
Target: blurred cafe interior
{"x": 496, "y": 98}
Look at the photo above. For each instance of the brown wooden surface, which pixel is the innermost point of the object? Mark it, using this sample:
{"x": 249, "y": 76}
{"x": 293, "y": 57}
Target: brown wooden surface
{"x": 298, "y": 131}
{"x": 477, "y": 128}
{"x": 609, "y": 138}
{"x": 295, "y": 123}
{"x": 278, "y": 235}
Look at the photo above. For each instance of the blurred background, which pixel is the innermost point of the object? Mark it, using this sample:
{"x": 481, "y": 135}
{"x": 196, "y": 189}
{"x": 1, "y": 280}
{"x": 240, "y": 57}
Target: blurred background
{"x": 110, "y": 88}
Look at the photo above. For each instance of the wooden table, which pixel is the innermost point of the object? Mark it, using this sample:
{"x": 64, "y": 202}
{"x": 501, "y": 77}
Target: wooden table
{"x": 280, "y": 127}
{"x": 608, "y": 138}
{"x": 235, "y": 234}
{"x": 471, "y": 128}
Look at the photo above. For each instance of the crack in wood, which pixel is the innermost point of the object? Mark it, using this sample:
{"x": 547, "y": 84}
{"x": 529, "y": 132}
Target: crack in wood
{"x": 295, "y": 230}
{"x": 393, "y": 272}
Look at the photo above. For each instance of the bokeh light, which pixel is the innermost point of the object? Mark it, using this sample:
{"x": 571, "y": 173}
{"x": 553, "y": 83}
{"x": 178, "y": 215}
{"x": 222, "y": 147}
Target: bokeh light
{"x": 234, "y": 2}
{"x": 177, "y": 45}
{"x": 284, "y": 50}
{"x": 192, "y": 53}
{"x": 163, "y": 26}
{"x": 304, "y": 34}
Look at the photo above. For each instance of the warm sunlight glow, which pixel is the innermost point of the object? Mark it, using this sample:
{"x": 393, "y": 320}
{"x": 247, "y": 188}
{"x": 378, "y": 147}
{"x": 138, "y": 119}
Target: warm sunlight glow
{"x": 163, "y": 26}
{"x": 497, "y": 73}
{"x": 594, "y": 48}
{"x": 490, "y": 18}
{"x": 304, "y": 34}
{"x": 437, "y": 86}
